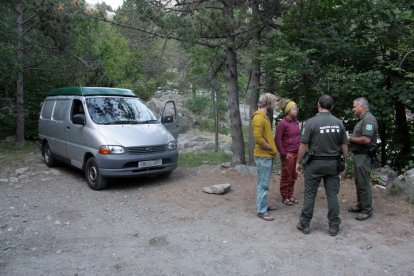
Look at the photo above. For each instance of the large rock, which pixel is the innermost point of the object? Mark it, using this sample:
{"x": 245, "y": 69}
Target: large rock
{"x": 196, "y": 141}
{"x": 386, "y": 176}
{"x": 156, "y": 104}
{"x": 406, "y": 183}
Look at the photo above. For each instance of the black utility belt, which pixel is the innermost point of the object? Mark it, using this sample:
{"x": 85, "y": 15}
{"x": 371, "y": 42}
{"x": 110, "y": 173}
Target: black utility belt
{"x": 359, "y": 152}
{"x": 325, "y": 157}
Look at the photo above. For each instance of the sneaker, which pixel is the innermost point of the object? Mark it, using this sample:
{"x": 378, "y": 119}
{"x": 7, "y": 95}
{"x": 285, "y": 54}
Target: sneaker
{"x": 265, "y": 216}
{"x": 304, "y": 229}
{"x": 333, "y": 230}
{"x": 363, "y": 216}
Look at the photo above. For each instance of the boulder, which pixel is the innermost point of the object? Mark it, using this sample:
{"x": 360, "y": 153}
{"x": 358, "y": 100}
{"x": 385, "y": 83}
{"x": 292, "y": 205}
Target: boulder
{"x": 156, "y": 104}
{"x": 385, "y": 176}
{"x": 406, "y": 183}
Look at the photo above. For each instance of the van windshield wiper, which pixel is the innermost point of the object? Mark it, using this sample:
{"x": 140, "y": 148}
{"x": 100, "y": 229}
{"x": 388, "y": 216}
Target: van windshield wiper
{"x": 147, "y": 122}
{"x": 122, "y": 122}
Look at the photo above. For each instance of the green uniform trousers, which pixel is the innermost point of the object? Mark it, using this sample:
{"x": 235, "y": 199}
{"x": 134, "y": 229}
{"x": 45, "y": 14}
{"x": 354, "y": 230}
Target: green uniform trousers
{"x": 314, "y": 172}
{"x": 362, "y": 168}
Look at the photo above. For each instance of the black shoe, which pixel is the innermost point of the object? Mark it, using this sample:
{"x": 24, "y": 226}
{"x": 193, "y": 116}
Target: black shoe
{"x": 354, "y": 209}
{"x": 333, "y": 230}
{"x": 363, "y": 216}
{"x": 304, "y": 229}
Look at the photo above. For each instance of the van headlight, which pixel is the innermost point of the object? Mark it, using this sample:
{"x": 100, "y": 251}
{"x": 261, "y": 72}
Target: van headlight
{"x": 172, "y": 145}
{"x": 111, "y": 150}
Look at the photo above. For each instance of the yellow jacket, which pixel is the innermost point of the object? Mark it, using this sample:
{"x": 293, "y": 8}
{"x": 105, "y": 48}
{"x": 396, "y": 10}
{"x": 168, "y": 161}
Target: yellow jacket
{"x": 262, "y": 132}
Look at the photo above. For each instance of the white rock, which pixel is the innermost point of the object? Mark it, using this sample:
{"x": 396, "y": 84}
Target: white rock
{"x": 21, "y": 171}
{"x": 4, "y": 180}
{"x": 217, "y": 189}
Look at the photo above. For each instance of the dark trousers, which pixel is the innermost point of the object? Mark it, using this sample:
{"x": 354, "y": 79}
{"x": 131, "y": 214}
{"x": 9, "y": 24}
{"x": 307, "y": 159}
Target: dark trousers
{"x": 362, "y": 168}
{"x": 288, "y": 176}
{"x": 314, "y": 173}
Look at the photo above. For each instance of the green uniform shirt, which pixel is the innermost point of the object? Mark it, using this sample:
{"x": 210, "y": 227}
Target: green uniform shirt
{"x": 324, "y": 134}
{"x": 367, "y": 126}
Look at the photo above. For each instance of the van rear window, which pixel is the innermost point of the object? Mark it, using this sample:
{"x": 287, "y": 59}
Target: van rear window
{"x": 47, "y": 109}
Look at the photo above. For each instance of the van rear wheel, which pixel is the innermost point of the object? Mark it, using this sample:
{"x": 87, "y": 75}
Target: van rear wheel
{"x": 94, "y": 179}
{"x": 47, "y": 156}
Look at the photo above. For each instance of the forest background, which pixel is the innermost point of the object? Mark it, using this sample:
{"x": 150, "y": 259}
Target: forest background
{"x": 219, "y": 53}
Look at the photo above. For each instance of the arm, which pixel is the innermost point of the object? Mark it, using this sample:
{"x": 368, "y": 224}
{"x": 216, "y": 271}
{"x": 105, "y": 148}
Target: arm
{"x": 258, "y": 130}
{"x": 363, "y": 140}
{"x": 345, "y": 151}
{"x": 280, "y": 129}
{"x": 303, "y": 148}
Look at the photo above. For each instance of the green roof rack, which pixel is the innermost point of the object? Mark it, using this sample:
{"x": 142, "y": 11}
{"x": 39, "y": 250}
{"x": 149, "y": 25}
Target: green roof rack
{"x": 91, "y": 91}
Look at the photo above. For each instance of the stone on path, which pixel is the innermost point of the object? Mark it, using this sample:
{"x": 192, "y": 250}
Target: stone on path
{"x": 217, "y": 189}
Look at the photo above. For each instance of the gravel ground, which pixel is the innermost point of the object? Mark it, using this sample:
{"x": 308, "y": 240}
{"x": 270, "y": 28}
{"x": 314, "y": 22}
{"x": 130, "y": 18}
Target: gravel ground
{"x": 51, "y": 223}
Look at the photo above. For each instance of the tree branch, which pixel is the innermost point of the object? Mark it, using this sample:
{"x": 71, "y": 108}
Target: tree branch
{"x": 209, "y": 45}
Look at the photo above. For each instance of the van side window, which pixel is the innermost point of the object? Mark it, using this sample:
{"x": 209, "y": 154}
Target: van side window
{"x": 77, "y": 108}
{"x": 60, "y": 110}
{"x": 47, "y": 109}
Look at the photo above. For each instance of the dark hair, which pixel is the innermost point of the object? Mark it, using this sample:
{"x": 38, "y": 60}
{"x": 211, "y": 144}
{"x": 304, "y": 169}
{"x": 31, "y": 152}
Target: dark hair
{"x": 326, "y": 102}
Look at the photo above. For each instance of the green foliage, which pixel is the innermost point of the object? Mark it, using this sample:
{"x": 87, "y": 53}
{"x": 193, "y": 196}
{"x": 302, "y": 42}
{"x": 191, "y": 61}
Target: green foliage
{"x": 348, "y": 50}
{"x": 202, "y": 158}
{"x": 11, "y": 152}
{"x": 409, "y": 166}
{"x": 394, "y": 190}
{"x": 198, "y": 105}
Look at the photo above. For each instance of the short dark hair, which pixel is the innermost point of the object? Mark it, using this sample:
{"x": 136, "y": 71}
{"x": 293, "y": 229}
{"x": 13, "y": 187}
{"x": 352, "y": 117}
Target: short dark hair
{"x": 326, "y": 102}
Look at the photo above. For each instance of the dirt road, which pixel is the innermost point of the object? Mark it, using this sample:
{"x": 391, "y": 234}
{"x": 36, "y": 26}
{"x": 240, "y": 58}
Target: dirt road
{"x": 51, "y": 223}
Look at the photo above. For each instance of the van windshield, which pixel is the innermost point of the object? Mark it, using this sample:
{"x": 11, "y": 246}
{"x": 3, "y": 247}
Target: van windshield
{"x": 118, "y": 110}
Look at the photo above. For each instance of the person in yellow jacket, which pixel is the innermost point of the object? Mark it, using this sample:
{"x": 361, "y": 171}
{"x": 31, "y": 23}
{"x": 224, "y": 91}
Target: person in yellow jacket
{"x": 264, "y": 152}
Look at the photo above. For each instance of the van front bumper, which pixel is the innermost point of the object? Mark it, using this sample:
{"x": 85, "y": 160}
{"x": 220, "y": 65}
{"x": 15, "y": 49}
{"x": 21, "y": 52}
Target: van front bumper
{"x": 126, "y": 165}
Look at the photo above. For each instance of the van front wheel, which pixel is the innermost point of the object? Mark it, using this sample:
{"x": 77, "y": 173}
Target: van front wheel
{"x": 95, "y": 180}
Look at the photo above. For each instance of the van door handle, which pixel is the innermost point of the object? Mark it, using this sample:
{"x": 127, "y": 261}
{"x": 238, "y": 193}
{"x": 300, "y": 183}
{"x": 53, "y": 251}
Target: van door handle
{"x": 68, "y": 127}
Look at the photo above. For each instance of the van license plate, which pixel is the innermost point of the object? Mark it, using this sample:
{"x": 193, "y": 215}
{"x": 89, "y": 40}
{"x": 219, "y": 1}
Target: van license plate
{"x": 149, "y": 163}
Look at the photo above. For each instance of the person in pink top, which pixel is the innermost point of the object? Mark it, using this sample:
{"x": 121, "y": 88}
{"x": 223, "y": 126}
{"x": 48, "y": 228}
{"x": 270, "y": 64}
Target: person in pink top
{"x": 287, "y": 140}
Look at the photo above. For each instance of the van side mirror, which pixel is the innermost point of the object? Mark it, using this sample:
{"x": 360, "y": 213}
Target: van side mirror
{"x": 79, "y": 119}
{"x": 167, "y": 119}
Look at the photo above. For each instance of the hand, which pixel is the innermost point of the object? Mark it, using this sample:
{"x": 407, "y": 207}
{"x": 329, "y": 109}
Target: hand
{"x": 342, "y": 174}
{"x": 299, "y": 168}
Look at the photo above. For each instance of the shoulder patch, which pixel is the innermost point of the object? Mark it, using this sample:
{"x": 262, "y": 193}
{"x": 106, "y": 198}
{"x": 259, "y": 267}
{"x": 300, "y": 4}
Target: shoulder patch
{"x": 368, "y": 127}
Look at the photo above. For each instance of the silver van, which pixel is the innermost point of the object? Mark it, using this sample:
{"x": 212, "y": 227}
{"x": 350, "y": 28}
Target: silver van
{"x": 107, "y": 132}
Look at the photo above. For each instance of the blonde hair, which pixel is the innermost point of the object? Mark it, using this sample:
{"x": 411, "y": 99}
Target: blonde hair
{"x": 266, "y": 99}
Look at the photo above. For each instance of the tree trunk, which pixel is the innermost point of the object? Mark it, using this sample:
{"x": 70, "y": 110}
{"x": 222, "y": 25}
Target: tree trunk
{"x": 19, "y": 83}
{"x": 255, "y": 91}
{"x": 234, "y": 110}
{"x": 402, "y": 134}
{"x": 233, "y": 93}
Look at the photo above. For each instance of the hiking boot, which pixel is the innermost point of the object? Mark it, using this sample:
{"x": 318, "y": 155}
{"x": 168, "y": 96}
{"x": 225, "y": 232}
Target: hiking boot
{"x": 304, "y": 229}
{"x": 333, "y": 230}
{"x": 363, "y": 216}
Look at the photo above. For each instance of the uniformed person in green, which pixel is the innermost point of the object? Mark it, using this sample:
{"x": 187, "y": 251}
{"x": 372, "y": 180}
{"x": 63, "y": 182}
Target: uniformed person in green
{"x": 324, "y": 139}
{"x": 364, "y": 138}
